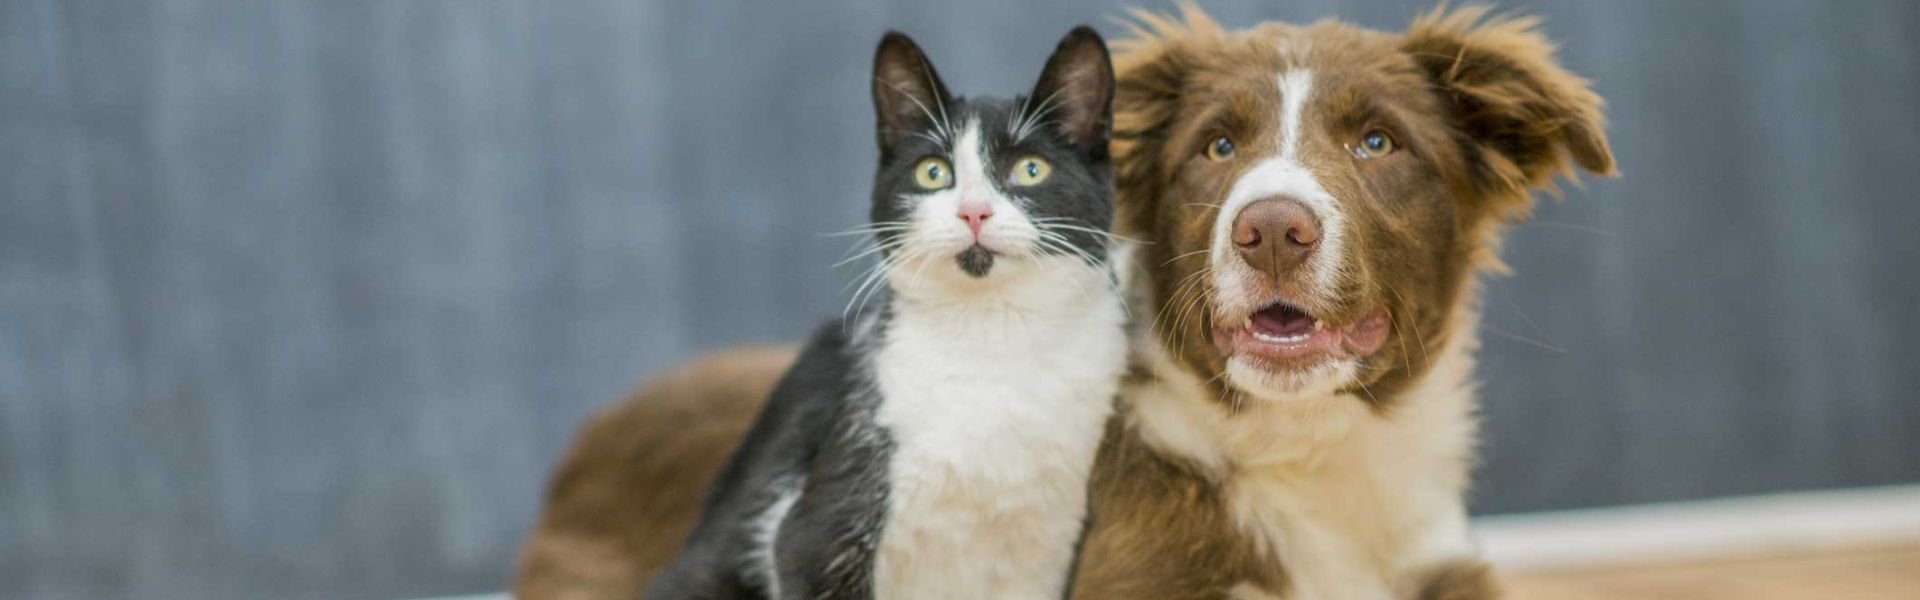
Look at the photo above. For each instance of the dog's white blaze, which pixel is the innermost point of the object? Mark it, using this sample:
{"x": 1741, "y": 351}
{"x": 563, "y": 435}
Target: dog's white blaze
{"x": 1295, "y": 85}
{"x": 1281, "y": 175}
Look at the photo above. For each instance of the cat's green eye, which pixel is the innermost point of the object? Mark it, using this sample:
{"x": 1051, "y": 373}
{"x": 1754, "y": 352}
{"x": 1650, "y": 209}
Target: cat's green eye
{"x": 1031, "y": 170}
{"x": 933, "y": 174}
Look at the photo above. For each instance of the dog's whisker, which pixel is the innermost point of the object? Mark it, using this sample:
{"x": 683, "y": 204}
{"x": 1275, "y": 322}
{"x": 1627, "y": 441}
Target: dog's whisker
{"x": 1187, "y": 254}
{"x": 1370, "y": 397}
{"x": 1414, "y": 320}
{"x": 1527, "y": 340}
{"x": 1531, "y": 324}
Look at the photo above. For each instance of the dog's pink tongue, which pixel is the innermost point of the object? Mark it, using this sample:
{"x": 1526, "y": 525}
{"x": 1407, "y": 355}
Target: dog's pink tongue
{"x": 1366, "y": 336}
{"x": 1281, "y": 322}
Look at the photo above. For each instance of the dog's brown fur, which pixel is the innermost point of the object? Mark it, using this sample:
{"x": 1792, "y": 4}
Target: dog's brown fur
{"x": 1483, "y": 107}
{"x": 630, "y": 488}
{"x": 1161, "y": 530}
{"x": 1482, "y": 102}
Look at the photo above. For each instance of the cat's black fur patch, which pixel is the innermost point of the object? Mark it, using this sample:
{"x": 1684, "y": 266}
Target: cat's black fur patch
{"x": 817, "y": 437}
{"x": 975, "y": 261}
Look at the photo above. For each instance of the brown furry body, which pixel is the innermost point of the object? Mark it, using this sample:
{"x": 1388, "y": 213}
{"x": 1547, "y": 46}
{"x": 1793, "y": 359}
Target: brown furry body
{"x": 629, "y": 490}
{"x": 1486, "y": 117}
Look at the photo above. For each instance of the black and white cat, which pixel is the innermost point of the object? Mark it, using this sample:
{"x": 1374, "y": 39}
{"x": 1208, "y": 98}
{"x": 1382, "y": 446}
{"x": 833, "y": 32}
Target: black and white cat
{"x": 939, "y": 445}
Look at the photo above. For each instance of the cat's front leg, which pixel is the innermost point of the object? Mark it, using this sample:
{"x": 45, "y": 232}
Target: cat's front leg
{"x": 826, "y": 543}
{"x": 825, "y": 551}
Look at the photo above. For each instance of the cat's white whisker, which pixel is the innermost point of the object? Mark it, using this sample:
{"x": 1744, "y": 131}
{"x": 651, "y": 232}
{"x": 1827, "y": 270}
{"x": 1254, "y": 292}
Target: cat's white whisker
{"x": 939, "y": 124}
{"x": 1027, "y": 122}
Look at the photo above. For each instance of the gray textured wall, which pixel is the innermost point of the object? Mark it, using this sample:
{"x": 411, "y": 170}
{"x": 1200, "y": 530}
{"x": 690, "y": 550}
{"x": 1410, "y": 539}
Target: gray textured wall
{"x": 300, "y": 299}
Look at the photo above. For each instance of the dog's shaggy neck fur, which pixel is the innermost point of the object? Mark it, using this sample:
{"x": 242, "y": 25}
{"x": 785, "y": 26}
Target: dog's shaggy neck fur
{"x": 1350, "y": 504}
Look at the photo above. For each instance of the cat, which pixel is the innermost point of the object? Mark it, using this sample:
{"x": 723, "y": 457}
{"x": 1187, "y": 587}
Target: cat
{"x": 939, "y": 445}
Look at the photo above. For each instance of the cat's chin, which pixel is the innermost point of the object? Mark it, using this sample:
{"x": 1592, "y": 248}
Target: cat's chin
{"x": 976, "y": 261}
{"x": 982, "y": 270}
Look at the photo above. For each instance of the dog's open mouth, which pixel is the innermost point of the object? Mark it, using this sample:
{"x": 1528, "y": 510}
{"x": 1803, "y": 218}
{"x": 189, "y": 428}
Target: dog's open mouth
{"x": 1285, "y": 334}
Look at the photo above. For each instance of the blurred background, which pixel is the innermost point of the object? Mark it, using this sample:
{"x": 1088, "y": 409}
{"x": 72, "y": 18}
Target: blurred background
{"x": 302, "y": 299}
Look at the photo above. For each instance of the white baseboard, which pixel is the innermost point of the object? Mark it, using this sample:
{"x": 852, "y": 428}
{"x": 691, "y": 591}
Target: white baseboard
{"x": 1682, "y": 531}
{"x": 1702, "y": 530}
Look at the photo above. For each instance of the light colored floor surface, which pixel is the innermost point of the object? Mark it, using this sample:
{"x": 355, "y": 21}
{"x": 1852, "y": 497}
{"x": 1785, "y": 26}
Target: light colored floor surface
{"x": 1889, "y": 573}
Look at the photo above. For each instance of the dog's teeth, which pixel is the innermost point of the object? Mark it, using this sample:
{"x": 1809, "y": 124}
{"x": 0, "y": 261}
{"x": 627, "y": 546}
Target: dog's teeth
{"x": 1246, "y": 322}
{"x": 1274, "y": 339}
{"x": 1317, "y": 324}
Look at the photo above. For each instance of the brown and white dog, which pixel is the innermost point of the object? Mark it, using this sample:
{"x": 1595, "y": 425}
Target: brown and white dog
{"x": 1300, "y": 420}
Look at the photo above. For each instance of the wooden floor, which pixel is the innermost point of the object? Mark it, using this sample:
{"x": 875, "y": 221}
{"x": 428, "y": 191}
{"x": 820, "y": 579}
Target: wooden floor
{"x": 1868, "y": 574}
{"x": 1889, "y": 573}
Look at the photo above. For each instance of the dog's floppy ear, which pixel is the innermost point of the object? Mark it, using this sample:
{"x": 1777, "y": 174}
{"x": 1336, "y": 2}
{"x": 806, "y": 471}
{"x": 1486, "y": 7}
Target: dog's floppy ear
{"x": 1152, "y": 66}
{"x": 907, "y": 94}
{"x": 1523, "y": 114}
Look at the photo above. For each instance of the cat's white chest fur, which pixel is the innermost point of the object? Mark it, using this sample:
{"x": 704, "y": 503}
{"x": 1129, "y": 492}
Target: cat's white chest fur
{"x": 995, "y": 408}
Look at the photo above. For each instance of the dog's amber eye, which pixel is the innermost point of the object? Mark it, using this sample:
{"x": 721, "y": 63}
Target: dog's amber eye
{"x": 1375, "y": 144}
{"x": 1220, "y": 149}
{"x": 933, "y": 174}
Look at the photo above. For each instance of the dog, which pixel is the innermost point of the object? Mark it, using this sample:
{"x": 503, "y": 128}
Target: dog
{"x": 1317, "y": 204}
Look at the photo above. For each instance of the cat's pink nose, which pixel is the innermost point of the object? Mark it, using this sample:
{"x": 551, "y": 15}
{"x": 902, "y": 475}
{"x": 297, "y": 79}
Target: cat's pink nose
{"x": 976, "y": 216}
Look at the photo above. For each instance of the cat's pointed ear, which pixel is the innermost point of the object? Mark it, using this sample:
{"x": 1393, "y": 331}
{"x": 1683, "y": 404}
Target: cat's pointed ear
{"x": 907, "y": 93}
{"x": 1075, "y": 92}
